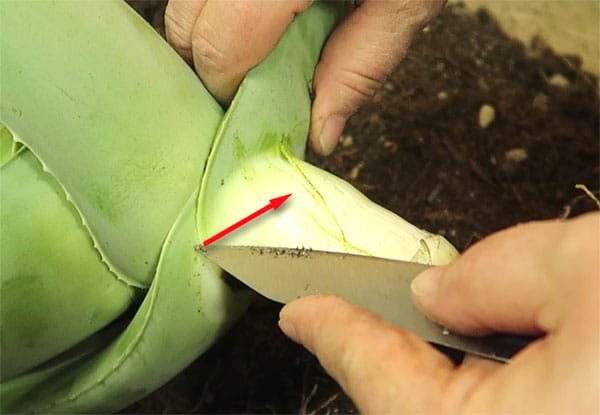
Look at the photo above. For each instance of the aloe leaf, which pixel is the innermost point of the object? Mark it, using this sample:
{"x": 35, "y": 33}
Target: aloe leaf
{"x": 272, "y": 106}
{"x": 113, "y": 113}
{"x": 256, "y": 158}
{"x": 54, "y": 289}
{"x": 14, "y": 392}
{"x": 129, "y": 152}
{"x": 185, "y": 310}
{"x": 9, "y": 147}
{"x": 117, "y": 134}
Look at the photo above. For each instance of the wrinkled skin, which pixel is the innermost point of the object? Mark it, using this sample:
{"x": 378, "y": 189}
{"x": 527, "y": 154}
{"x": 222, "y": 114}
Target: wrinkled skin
{"x": 538, "y": 278}
{"x": 224, "y": 39}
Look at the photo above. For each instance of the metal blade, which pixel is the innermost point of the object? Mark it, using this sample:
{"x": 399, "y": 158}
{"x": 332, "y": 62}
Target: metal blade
{"x": 377, "y": 284}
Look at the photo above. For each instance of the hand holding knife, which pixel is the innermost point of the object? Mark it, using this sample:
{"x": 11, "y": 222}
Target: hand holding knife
{"x": 378, "y": 284}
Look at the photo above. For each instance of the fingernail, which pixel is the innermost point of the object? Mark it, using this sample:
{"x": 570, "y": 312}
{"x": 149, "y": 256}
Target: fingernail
{"x": 331, "y": 132}
{"x": 425, "y": 285}
{"x": 286, "y": 325}
{"x": 288, "y": 328}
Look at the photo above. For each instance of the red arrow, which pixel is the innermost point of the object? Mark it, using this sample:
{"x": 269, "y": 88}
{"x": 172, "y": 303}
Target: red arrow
{"x": 273, "y": 204}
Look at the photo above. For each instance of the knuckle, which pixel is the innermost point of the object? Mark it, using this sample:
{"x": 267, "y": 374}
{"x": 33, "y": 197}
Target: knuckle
{"x": 177, "y": 35}
{"x": 420, "y": 12}
{"x": 362, "y": 84}
{"x": 208, "y": 53}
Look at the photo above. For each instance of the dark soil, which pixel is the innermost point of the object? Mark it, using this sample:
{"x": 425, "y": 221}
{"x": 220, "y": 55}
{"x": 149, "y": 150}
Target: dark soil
{"x": 417, "y": 148}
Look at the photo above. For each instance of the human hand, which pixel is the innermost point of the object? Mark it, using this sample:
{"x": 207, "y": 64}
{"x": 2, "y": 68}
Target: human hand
{"x": 225, "y": 39}
{"x": 537, "y": 278}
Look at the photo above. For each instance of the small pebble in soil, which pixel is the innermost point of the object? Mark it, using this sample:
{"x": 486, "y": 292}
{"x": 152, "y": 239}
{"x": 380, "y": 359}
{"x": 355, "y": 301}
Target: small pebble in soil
{"x": 516, "y": 155}
{"x": 347, "y": 141}
{"x": 391, "y": 146}
{"x": 559, "y": 81}
{"x": 355, "y": 171}
{"x": 513, "y": 158}
{"x": 487, "y": 114}
{"x": 442, "y": 95}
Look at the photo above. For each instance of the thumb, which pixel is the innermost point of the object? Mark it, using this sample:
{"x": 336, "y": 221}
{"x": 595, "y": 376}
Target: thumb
{"x": 361, "y": 53}
{"x": 520, "y": 280}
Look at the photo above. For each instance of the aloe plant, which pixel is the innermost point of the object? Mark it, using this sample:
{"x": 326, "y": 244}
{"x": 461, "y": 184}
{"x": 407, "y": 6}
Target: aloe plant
{"x": 115, "y": 163}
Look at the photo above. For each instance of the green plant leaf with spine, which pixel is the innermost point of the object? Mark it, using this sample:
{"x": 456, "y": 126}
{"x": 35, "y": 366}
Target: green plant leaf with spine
{"x": 256, "y": 158}
{"x": 118, "y": 150}
{"x": 125, "y": 145}
{"x": 51, "y": 273}
{"x": 184, "y": 311}
{"x": 113, "y": 114}
{"x": 115, "y": 135}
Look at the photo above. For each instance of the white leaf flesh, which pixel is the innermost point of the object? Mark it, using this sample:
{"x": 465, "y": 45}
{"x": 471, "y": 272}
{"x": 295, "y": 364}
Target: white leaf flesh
{"x": 323, "y": 213}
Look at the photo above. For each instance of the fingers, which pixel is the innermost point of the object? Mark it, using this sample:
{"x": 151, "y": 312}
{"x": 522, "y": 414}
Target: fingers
{"x": 384, "y": 369}
{"x": 358, "y": 57}
{"x": 523, "y": 279}
{"x": 387, "y": 370}
{"x": 225, "y": 39}
{"x": 228, "y": 38}
{"x": 180, "y": 18}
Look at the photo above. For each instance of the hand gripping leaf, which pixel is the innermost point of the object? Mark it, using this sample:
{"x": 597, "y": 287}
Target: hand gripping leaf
{"x": 115, "y": 163}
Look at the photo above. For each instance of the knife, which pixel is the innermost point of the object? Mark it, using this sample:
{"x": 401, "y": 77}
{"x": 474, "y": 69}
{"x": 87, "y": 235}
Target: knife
{"x": 380, "y": 285}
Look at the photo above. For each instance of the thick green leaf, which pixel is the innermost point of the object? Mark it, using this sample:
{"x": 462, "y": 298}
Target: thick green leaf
{"x": 114, "y": 175}
{"x": 120, "y": 127}
{"x": 113, "y": 113}
{"x": 257, "y": 156}
{"x": 9, "y": 148}
{"x": 187, "y": 307}
{"x": 14, "y": 392}
{"x": 54, "y": 289}
{"x": 271, "y": 108}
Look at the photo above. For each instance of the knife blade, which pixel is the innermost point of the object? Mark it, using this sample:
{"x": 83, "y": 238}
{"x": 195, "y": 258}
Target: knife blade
{"x": 380, "y": 285}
